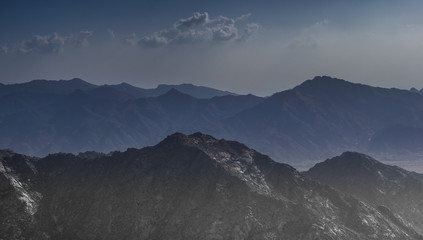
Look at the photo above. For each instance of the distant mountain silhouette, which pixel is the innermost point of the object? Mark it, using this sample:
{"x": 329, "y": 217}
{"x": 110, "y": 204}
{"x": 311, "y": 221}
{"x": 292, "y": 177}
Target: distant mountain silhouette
{"x": 186, "y": 187}
{"x": 378, "y": 184}
{"x": 414, "y": 90}
{"x": 68, "y": 86}
{"x": 46, "y": 87}
{"x": 190, "y": 89}
{"x": 104, "y": 118}
{"x": 318, "y": 119}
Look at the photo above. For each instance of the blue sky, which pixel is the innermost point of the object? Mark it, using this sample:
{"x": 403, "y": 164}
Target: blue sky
{"x": 257, "y": 47}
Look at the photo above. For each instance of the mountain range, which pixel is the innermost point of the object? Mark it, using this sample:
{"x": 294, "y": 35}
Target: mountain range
{"x": 68, "y": 86}
{"x": 318, "y": 119}
{"x": 185, "y": 187}
{"x": 80, "y": 117}
{"x": 326, "y": 116}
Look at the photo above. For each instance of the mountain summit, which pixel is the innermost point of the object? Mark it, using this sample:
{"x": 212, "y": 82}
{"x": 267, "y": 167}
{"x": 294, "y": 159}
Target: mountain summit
{"x": 378, "y": 184}
{"x": 325, "y": 116}
{"x": 186, "y": 187}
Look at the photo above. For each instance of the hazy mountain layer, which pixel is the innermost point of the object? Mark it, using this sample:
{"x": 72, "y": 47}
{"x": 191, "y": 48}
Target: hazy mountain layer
{"x": 66, "y": 87}
{"x": 325, "y": 116}
{"x": 105, "y": 119}
{"x": 318, "y": 119}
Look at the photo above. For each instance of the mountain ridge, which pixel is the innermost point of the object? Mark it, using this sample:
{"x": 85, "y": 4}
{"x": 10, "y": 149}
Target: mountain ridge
{"x": 324, "y": 117}
{"x": 68, "y": 86}
{"x": 375, "y": 183}
{"x": 186, "y": 187}
{"x": 320, "y": 118}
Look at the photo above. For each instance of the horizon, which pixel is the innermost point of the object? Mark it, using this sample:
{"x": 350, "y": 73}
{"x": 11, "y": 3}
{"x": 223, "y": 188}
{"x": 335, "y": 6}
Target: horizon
{"x": 240, "y": 46}
{"x": 240, "y": 119}
{"x": 196, "y": 85}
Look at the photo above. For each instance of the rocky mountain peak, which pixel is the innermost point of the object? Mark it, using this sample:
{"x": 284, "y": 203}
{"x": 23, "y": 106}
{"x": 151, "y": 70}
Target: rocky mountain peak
{"x": 186, "y": 187}
{"x": 375, "y": 183}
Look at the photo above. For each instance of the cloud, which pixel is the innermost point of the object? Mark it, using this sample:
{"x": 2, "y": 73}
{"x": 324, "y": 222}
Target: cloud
{"x": 250, "y": 30}
{"x": 243, "y": 17}
{"x": 43, "y": 44}
{"x": 322, "y": 22}
{"x": 201, "y": 28}
{"x": 194, "y": 21}
{"x": 53, "y": 43}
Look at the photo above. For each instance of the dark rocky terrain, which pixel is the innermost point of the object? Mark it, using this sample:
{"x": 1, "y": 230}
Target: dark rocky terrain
{"x": 186, "y": 187}
{"x": 379, "y": 185}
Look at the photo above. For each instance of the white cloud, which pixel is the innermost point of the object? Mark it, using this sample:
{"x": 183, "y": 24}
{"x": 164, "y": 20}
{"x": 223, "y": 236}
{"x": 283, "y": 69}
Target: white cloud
{"x": 53, "y": 43}
{"x": 243, "y": 17}
{"x": 43, "y": 44}
{"x": 201, "y": 28}
{"x": 198, "y": 19}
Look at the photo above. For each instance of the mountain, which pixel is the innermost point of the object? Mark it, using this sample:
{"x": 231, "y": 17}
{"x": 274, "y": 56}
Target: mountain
{"x": 326, "y": 116}
{"x": 318, "y": 119}
{"x": 414, "y": 90}
{"x": 61, "y": 87}
{"x": 185, "y": 187}
{"x": 46, "y": 87}
{"x": 104, "y": 119}
{"x": 190, "y": 89}
{"x": 380, "y": 185}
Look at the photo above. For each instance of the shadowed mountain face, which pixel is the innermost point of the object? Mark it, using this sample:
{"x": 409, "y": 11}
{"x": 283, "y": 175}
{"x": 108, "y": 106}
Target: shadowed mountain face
{"x": 377, "y": 184}
{"x": 186, "y": 187}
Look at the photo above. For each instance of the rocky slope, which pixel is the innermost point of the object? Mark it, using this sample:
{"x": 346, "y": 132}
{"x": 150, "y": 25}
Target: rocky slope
{"x": 186, "y": 187}
{"x": 380, "y": 185}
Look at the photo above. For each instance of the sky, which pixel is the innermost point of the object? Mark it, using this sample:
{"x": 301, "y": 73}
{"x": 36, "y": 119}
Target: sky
{"x": 258, "y": 47}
